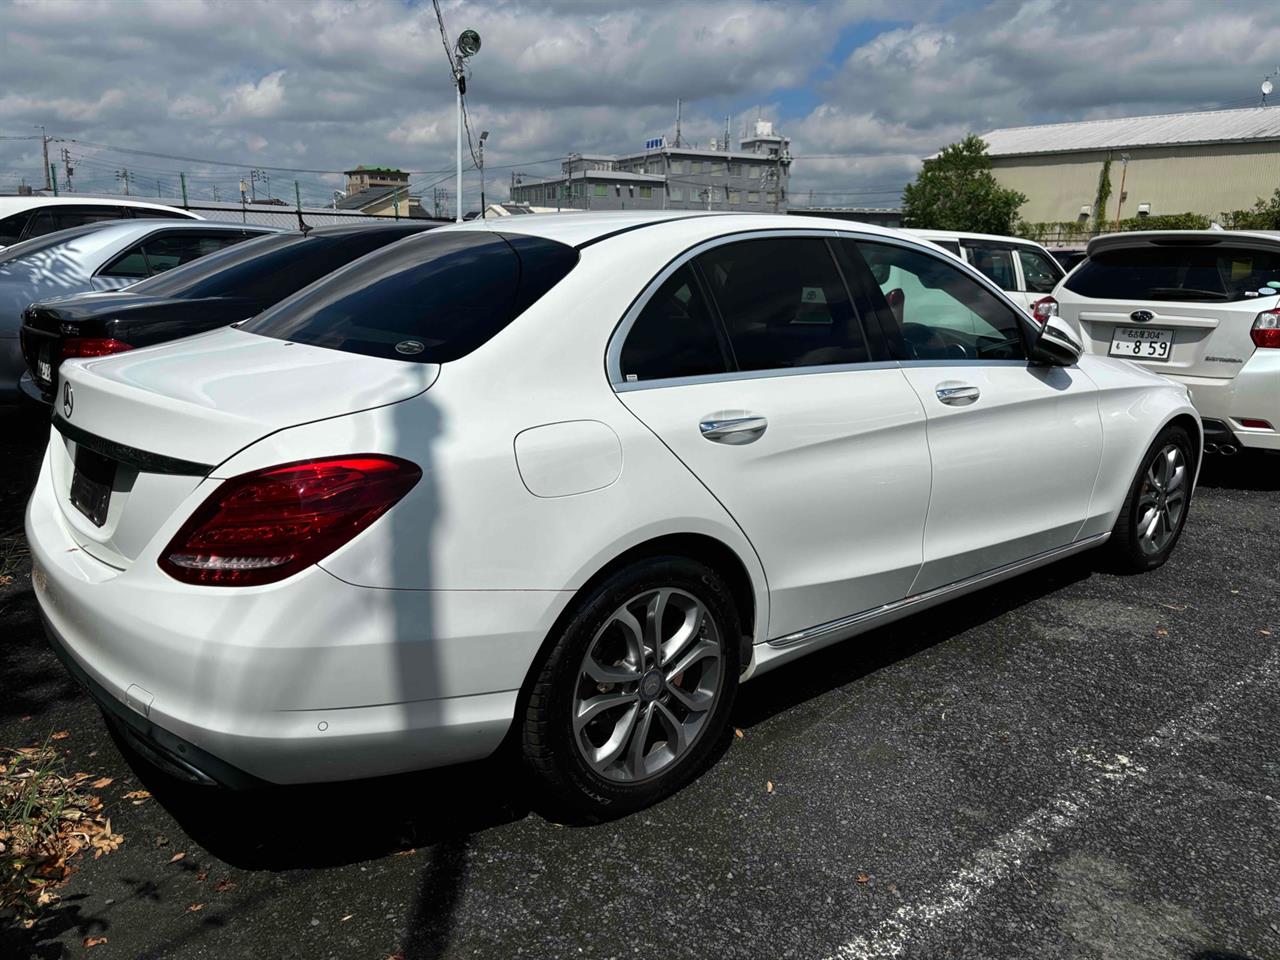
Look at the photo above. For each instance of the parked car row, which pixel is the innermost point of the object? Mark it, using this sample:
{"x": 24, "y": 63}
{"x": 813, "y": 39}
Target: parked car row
{"x": 562, "y": 483}
{"x": 25, "y": 218}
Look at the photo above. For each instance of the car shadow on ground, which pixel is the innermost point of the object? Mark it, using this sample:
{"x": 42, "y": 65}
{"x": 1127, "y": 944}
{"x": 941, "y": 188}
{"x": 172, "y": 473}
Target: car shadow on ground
{"x": 1248, "y": 470}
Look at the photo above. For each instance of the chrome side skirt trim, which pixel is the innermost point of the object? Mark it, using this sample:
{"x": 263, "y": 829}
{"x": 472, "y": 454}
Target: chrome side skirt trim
{"x": 937, "y": 593}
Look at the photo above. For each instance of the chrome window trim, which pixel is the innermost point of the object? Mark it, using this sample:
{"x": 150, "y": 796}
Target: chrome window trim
{"x": 613, "y": 353}
{"x": 733, "y": 375}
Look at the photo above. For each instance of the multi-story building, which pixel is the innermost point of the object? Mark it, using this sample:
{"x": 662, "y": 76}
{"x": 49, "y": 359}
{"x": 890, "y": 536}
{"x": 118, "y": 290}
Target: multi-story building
{"x": 755, "y": 177}
{"x": 379, "y": 192}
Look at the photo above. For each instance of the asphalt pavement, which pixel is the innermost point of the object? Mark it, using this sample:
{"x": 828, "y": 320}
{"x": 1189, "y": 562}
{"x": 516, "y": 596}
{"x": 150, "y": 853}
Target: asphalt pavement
{"x": 1072, "y": 764}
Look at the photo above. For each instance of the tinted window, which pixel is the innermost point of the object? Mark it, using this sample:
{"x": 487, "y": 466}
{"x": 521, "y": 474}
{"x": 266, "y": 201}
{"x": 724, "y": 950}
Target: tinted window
{"x": 784, "y": 303}
{"x": 951, "y": 246}
{"x": 51, "y": 219}
{"x": 1167, "y": 272}
{"x": 935, "y": 311}
{"x": 431, "y": 299}
{"x": 11, "y": 227}
{"x": 995, "y": 262}
{"x": 674, "y": 336}
{"x": 148, "y": 212}
{"x": 1039, "y": 272}
{"x": 267, "y": 269}
{"x": 169, "y": 250}
{"x": 131, "y": 263}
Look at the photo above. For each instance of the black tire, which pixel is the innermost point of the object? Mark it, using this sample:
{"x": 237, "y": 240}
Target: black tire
{"x": 1125, "y": 546}
{"x": 550, "y": 745}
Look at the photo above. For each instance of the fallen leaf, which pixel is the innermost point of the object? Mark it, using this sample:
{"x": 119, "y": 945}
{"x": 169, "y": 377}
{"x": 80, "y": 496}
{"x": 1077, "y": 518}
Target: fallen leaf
{"x": 195, "y": 907}
{"x": 202, "y": 876}
{"x": 177, "y": 856}
{"x": 405, "y": 853}
{"x": 5, "y": 580}
{"x": 1265, "y": 633}
{"x": 102, "y": 782}
{"x": 60, "y": 735}
{"x": 138, "y": 796}
{"x": 738, "y": 733}
{"x": 863, "y": 878}
{"x": 222, "y": 886}
{"x": 93, "y": 941}
{"x": 161, "y": 840}
{"x": 1162, "y": 632}
{"x": 346, "y": 918}
{"x": 768, "y": 786}
{"x": 26, "y": 718}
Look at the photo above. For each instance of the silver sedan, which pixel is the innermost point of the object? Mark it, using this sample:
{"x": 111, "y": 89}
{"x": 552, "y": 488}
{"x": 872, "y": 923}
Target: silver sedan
{"x": 98, "y": 256}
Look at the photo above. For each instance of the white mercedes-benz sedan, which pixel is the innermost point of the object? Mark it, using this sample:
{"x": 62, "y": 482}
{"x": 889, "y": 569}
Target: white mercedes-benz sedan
{"x": 564, "y": 482}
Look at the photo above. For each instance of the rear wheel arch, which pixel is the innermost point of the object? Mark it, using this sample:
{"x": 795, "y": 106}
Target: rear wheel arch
{"x": 716, "y": 554}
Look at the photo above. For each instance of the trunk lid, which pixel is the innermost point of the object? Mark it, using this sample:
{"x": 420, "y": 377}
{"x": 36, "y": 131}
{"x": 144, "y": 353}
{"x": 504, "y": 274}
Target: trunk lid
{"x": 138, "y": 432}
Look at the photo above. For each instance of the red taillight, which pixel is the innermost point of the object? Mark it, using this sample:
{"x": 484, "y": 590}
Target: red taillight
{"x": 1043, "y": 309}
{"x": 73, "y": 347}
{"x": 1254, "y": 423}
{"x": 264, "y": 526}
{"x": 1266, "y": 329}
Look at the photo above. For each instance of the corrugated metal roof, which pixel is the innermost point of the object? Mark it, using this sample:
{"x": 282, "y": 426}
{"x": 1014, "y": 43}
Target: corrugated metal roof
{"x": 1215, "y": 126}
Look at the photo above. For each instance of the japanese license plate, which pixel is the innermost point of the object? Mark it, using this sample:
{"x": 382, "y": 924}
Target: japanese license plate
{"x": 1142, "y": 343}
{"x": 44, "y": 369}
{"x": 91, "y": 484}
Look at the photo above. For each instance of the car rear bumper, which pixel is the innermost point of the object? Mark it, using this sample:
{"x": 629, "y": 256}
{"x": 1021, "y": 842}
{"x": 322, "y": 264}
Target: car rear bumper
{"x": 318, "y": 681}
{"x": 1252, "y": 394}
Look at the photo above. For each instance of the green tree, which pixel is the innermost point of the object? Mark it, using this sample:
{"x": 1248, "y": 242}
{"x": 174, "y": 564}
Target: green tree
{"x": 1265, "y": 215}
{"x": 957, "y": 191}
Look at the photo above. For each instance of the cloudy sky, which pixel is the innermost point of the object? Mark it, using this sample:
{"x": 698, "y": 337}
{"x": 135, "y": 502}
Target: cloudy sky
{"x": 863, "y": 87}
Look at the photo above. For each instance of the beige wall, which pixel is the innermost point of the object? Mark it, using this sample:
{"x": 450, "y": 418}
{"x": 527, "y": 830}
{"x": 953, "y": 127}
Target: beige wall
{"x": 1199, "y": 179}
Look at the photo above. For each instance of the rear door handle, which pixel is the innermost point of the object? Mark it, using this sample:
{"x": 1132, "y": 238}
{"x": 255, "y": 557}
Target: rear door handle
{"x": 735, "y": 431}
{"x": 957, "y": 394}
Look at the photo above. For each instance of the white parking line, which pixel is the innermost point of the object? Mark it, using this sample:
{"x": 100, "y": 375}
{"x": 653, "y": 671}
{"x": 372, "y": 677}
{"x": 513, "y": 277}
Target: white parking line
{"x": 1105, "y": 778}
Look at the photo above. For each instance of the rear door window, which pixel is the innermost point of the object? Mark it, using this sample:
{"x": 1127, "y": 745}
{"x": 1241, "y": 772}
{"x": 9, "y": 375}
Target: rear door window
{"x": 675, "y": 334}
{"x": 431, "y": 299}
{"x": 169, "y": 250}
{"x": 783, "y": 303}
{"x": 1039, "y": 272}
{"x": 994, "y": 261}
{"x": 1210, "y": 272}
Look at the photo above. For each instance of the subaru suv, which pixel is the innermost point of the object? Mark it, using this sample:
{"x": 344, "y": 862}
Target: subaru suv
{"x": 1201, "y": 307}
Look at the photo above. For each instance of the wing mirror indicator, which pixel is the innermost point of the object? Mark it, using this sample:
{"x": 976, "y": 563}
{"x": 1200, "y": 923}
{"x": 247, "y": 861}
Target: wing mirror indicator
{"x": 1058, "y": 343}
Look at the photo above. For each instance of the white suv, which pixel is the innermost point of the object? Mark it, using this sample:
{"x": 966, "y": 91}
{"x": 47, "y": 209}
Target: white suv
{"x": 1201, "y": 307}
{"x": 1023, "y": 269}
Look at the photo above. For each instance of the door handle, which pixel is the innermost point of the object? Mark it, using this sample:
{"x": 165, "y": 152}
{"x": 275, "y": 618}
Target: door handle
{"x": 735, "y": 431}
{"x": 957, "y": 394}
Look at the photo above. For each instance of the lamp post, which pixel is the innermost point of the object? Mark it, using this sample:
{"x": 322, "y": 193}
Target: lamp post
{"x": 484, "y": 135}
{"x": 468, "y": 46}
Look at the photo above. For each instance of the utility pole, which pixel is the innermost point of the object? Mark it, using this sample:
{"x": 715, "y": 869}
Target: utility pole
{"x": 67, "y": 168}
{"x": 484, "y": 135}
{"x": 679, "y": 104}
{"x": 256, "y": 177}
{"x": 44, "y": 143}
{"x": 123, "y": 175}
{"x": 216, "y": 195}
{"x": 182, "y": 179}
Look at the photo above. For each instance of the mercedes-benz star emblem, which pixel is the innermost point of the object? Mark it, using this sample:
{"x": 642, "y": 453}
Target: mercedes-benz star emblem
{"x": 68, "y": 400}
{"x": 1142, "y": 316}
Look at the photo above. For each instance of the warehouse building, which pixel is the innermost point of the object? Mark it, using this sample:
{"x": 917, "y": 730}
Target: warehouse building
{"x": 1202, "y": 163}
{"x": 755, "y": 177}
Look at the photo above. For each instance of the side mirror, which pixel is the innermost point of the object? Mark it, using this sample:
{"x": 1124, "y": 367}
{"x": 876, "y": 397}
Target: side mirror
{"x": 1058, "y": 343}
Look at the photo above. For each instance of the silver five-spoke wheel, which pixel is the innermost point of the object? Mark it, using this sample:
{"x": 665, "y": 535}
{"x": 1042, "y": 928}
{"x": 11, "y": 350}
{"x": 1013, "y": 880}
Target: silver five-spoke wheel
{"x": 1162, "y": 499}
{"x": 647, "y": 685}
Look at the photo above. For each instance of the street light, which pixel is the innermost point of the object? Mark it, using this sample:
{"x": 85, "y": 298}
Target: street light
{"x": 484, "y": 135}
{"x": 468, "y": 46}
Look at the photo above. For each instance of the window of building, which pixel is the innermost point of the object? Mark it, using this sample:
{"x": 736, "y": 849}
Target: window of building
{"x": 935, "y": 311}
{"x": 677, "y": 193}
{"x": 674, "y": 336}
{"x": 646, "y": 193}
{"x": 754, "y": 171}
{"x": 783, "y": 303}
{"x": 753, "y": 196}
{"x": 735, "y": 196}
{"x": 695, "y": 166}
{"x": 601, "y": 190}
{"x": 717, "y": 167}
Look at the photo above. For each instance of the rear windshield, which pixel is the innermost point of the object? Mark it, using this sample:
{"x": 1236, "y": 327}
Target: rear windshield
{"x": 429, "y": 299}
{"x": 1213, "y": 272}
{"x": 216, "y": 275}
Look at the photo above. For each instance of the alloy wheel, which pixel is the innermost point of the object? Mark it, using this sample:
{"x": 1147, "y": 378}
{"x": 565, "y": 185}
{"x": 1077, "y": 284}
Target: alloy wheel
{"x": 1162, "y": 499}
{"x": 647, "y": 686}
